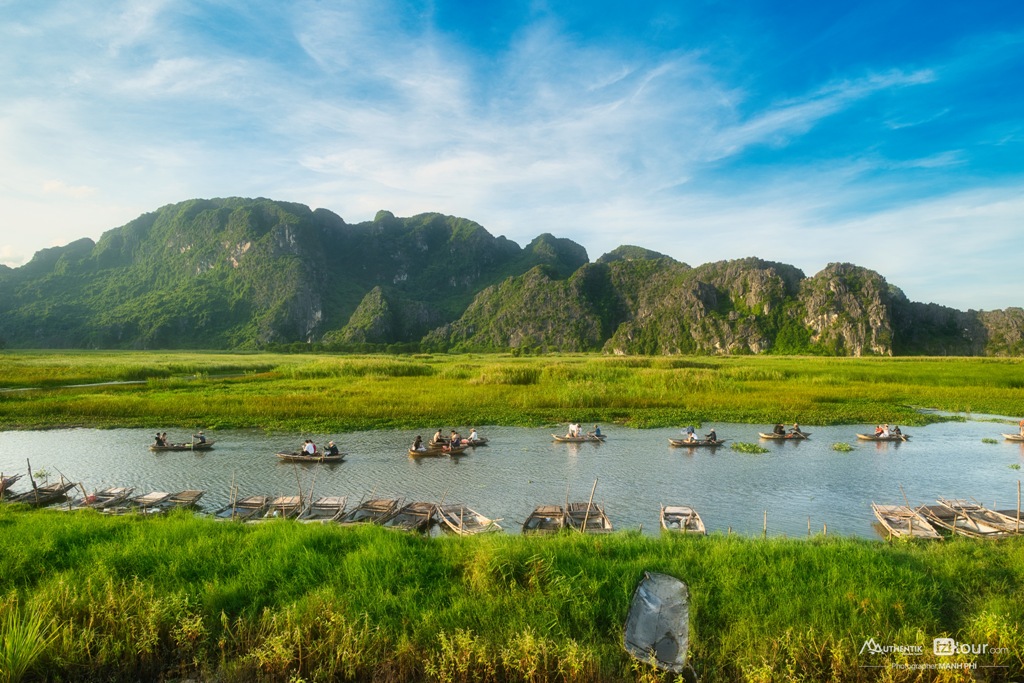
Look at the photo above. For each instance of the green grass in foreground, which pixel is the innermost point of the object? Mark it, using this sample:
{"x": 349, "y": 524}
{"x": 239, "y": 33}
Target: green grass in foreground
{"x": 345, "y": 393}
{"x": 138, "y": 599}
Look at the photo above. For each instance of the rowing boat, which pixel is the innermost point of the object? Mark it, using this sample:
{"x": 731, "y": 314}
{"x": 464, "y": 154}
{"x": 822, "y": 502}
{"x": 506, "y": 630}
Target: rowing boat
{"x": 901, "y": 521}
{"x": 44, "y": 495}
{"x": 306, "y": 458}
{"x": 950, "y": 519}
{"x": 372, "y": 511}
{"x": 465, "y": 521}
{"x": 596, "y": 438}
{"x": 682, "y": 518}
{"x": 107, "y": 498}
{"x": 891, "y": 437}
{"x": 197, "y": 446}
{"x": 982, "y": 516}
{"x": 1014, "y": 437}
{"x": 545, "y": 519}
{"x": 684, "y": 443}
{"x": 244, "y": 509}
{"x": 324, "y": 509}
{"x": 7, "y": 482}
{"x": 437, "y": 451}
{"x": 415, "y": 517}
{"x": 283, "y": 507}
{"x": 789, "y": 435}
{"x": 588, "y": 518}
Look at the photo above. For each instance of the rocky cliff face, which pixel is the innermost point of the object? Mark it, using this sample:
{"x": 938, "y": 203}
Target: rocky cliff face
{"x": 848, "y": 311}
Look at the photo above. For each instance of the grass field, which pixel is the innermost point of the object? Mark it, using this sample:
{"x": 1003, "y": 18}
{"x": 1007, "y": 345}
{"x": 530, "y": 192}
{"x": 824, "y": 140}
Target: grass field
{"x": 339, "y": 393}
{"x": 117, "y": 598}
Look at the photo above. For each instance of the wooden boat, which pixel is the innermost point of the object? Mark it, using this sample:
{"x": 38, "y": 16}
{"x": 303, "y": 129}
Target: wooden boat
{"x": 187, "y": 446}
{"x": 244, "y": 509}
{"x": 695, "y": 444}
{"x": 465, "y": 521}
{"x": 44, "y": 495}
{"x": 587, "y": 518}
{"x": 1014, "y": 437}
{"x": 8, "y": 482}
{"x": 788, "y": 435}
{"x": 579, "y": 439}
{"x": 982, "y": 516}
{"x": 107, "y": 498}
{"x": 283, "y": 507}
{"x": 306, "y": 458}
{"x": 901, "y": 521}
{"x": 658, "y": 622}
{"x": 891, "y": 437}
{"x": 545, "y": 519}
{"x": 944, "y": 517}
{"x": 415, "y": 517}
{"x": 324, "y": 509}
{"x": 147, "y": 503}
{"x": 184, "y": 499}
{"x": 473, "y": 443}
{"x": 682, "y": 518}
{"x": 437, "y": 451}
{"x": 372, "y": 511}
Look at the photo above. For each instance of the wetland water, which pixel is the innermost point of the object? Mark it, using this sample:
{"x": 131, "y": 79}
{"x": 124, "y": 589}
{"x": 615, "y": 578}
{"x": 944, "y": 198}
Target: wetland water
{"x": 521, "y": 468}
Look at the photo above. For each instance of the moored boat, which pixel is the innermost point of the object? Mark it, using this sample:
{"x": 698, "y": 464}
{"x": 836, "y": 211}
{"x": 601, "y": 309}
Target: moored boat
{"x": 283, "y": 507}
{"x": 950, "y": 519}
{"x": 44, "y": 495}
{"x": 7, "y": 482}
{"x": 465, "y": 521}
{"x": 324, "y": 509}
{"x": 189, "y": 498}
{"x": 588, "y": 518}
{"x": 306, "y": 458}
{"x": 902, "y": 521}
{"x": 107, "y": 498}
{"x": 1014, "y": 437}
{"x": 684, "y": 443}
{"x": 682, "y": 518}
{"x": 415, "y": 517}
{"x": 545, "y": 519}
{"x": 245, "y": 509}
{"x": 373, "y": 511}
{"x": 989, "y": 520}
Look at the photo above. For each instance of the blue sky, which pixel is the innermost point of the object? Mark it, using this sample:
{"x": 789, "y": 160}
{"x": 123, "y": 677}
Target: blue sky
{"x": 886, "y": 134}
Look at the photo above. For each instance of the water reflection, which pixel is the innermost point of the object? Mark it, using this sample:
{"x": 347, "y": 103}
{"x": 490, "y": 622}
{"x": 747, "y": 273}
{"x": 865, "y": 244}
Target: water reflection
{"x": 636, "y": 470}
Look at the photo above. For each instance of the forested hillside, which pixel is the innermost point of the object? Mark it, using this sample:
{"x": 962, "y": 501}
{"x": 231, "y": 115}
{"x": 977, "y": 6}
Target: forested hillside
{"x": 255, "y": 273}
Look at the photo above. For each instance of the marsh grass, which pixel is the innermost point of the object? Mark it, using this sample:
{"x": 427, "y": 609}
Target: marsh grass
{"x": 24, "y": 639}
{"x": 185, "y": 597}
{"x": 338, "y": 393}
{"x": 842, "y": 447}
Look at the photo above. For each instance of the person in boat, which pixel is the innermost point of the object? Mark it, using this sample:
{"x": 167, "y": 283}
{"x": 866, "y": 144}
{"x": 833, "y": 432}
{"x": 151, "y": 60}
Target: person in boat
{"x": 417, "y": 445}
{"x": 878, "y": 430}
{"x": 779, "y": 429}
{"x": 473, "y": 436}
{"x": 455, "y": 440}
{"x": 897, "y": 432}
{"x": 309, "y": 448}
{"x": 885, "y": 432}
{"x": 795, "y": 431}
{"x": 712, "y": 435}
{"x": 596, "y": 433}
{"x": 200, "y": 438}
{"x": 438, "y": 437}
{"x": 159, "y": 441}
{"x": 1022, "y": 427}
{"x": 332, "y": 449}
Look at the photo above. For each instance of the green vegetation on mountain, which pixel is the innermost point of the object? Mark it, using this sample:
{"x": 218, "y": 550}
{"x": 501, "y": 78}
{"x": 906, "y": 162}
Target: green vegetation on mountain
{"x": 255, "y": 273}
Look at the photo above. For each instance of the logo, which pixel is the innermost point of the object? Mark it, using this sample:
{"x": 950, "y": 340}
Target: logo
{"x": 944, "y": 647}
{"x": 871, "y": 646}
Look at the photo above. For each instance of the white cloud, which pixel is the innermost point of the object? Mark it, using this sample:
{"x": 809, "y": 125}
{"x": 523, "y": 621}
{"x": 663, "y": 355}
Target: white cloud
{"x": 59, "y": 187}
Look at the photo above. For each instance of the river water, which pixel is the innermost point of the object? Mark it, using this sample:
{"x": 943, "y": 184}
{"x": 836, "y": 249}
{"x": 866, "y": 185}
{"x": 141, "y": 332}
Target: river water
{"x": 796, "y": 482}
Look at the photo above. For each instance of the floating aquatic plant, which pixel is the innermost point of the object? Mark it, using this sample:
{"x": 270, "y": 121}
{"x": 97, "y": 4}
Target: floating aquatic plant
{"x": 842, "y": 447}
